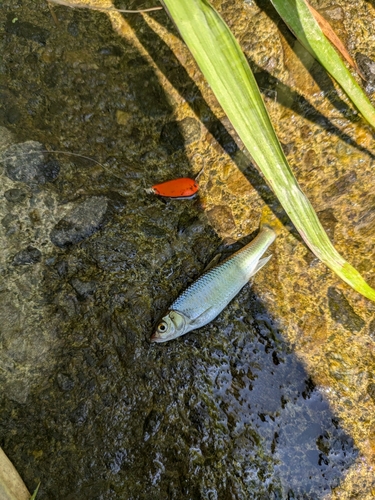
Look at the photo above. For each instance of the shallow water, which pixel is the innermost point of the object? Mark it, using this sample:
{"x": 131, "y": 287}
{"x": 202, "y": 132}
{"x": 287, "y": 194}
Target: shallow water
{"x": 271, "y": 400}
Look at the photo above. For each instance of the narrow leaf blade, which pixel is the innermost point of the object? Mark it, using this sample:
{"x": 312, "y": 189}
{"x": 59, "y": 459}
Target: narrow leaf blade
{"x": 301, "y": 21}
{"x": 223, "y": 64}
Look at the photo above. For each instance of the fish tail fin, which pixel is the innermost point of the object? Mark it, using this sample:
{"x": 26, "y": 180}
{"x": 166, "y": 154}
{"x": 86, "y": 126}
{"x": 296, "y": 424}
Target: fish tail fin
{"x": 261, "y": 263}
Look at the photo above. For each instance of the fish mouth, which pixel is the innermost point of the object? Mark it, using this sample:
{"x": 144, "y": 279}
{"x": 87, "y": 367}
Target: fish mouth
{"x": 156, "y": 338}
{"x": 153, "y": 338}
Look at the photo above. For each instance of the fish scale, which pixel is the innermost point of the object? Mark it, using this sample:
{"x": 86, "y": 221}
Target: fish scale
{"x": 218, "y": 286}
{"x": 204, "y": 299}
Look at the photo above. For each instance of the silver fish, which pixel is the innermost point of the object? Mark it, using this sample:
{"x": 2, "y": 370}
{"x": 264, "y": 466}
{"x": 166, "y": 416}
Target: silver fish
{"x": 204, "y": 299}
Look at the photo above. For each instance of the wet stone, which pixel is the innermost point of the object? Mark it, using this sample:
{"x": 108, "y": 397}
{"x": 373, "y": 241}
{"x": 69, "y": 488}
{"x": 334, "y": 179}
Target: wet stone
{"x": 334, "y": 12}
{"x": 15, "y": 195}
{"x": 177, "y": 134}
{"x": 329, "y": 221}
{"x": 25, "y": 29}
{"x": 8, "y": 220}
{"x": 73, "y": 28}
{"x": 13, "y": 115}
{"x": 190, "y": 129}
{"x": 367, "y": 66}
{"x": 25, "y": 162}
{"x": 62, "y": 267}
{"x": 152, "y": 424}
{"x": 371, "y": 390}
{"x": 11, "y": 223}
{"x": 366, "y": 218}
{"x": 152, "y": 230}
{"x": 83, "y": 221}
{"x": 83, "y": 288}
{"x": 371, "y": 329}
{"x": 222, "y": 136}
{"x": 64, "y": 382}
{"x": 79, "y": 415}
{"x": 29, "y": 255}
{"x": 171, "y": 136}
{"x": 111, "y": 50}
{"x": 342, "y": 312}
{"x": 149, "y": 96}
{"x": 223, "y": 215}
{"x": 340, "y": 187}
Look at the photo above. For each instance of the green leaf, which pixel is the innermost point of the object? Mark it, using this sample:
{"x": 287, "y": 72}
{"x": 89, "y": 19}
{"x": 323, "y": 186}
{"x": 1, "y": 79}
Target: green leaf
{"x": 300, "y": 20}
{"x": 33, "y": 496}
{"x": 223, "y": 64}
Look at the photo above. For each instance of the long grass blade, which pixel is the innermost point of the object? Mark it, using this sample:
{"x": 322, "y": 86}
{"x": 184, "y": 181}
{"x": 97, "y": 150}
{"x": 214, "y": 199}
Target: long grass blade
{"x": 331, "y": 35}
{"x": 302, "y": 23}
{"x": 223, "y": 64}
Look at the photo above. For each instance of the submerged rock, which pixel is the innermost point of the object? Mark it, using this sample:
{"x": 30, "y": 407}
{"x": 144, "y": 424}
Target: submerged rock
{"x": 25, "y": 162}
{"x": 29, "y": 255}
{"x": 367, "y": 66}
{"x": 83, "y": 288}
{"x": 175, "y": 135}
{"x": 342, "y": 311}
{"x": 81, "y": 222}
{"x": 15, "y": 195}
{"x": 231, "y": 411}
{"x": 25, "y": 29}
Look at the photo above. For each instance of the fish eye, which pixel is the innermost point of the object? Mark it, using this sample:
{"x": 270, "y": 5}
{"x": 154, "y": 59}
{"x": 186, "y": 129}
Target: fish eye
{"x": 162, "y": 327}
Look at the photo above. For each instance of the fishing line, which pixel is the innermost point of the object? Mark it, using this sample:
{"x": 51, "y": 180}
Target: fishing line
{"x": 15, "y": 156}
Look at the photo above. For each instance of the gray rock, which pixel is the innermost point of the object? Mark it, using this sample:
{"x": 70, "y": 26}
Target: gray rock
{"x": 342, "y": 312}
{"x": 29, "y": 255}
{"x": 83, "y": 221}
{"x": 64, "y": 382}
{"x": 25, "y": 29}
{"x": 15, "y": 195}
{"x": 25, "y": 162}
{"x": 8, "y": 219}
{"x": 367, "y": 66}
{"x": 11, "y": 223}
{"x": 83, "y": 288}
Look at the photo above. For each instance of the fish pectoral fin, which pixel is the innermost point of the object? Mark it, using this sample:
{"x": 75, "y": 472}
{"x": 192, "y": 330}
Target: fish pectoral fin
{"x": 203, "y": 318}
{"x": 260, "y": 264}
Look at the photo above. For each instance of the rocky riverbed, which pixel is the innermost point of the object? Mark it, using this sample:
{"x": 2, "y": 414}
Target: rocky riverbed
{"x": 275, "y": 398}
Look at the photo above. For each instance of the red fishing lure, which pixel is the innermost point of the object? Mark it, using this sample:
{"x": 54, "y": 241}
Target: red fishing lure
{"x": 179, "y": 189}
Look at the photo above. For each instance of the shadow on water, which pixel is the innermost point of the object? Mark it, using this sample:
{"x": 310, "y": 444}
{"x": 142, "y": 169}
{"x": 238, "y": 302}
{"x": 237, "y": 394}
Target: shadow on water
{"x": 227, "y": 412}
{"x": 295, "y": 101}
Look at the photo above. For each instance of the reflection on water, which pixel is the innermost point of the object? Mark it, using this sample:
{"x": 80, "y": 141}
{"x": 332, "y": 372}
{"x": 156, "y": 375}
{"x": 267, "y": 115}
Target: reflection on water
{"x": 282, "y": 436}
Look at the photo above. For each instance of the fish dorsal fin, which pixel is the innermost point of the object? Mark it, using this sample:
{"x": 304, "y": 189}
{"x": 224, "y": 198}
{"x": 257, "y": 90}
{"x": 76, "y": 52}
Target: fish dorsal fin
{"x": 213, "y": 262}
{"x": 260, "y": 264}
